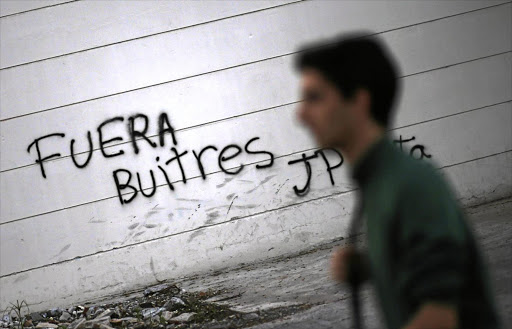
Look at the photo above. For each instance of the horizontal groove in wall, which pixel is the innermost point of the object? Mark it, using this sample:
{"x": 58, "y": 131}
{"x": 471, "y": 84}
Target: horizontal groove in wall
{"x": 150, "y": 35}
{"x": 39, "y": 8}
{"x": 203, "y": 23}
{"x": 247, "y": 164}
{"x": 233, "y": 66}
{"x": 258, "y": 111}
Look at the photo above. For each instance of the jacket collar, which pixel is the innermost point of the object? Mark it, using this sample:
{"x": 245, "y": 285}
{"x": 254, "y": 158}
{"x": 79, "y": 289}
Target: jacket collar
{"x": 369, "y": 161}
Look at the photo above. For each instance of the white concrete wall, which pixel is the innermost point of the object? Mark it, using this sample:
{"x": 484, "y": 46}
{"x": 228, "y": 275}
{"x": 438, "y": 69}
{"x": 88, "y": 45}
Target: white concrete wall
{"x": 222, "y": 73}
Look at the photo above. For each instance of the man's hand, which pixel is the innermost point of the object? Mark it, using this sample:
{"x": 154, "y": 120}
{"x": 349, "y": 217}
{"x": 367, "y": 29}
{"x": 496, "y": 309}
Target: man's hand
{"x": 339, "y": 263}
{"x": 433, "y": 315}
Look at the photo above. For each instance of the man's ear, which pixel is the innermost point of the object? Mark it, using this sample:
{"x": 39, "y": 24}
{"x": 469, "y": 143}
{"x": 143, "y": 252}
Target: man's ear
{"x": 362, "y": 101}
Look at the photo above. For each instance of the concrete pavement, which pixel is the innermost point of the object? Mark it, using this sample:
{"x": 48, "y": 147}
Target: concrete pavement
{"x": 304, "y": 279}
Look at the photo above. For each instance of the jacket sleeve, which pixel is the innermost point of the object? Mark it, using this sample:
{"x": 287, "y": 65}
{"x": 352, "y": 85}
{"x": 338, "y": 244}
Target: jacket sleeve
{"x": 432, "y": 253}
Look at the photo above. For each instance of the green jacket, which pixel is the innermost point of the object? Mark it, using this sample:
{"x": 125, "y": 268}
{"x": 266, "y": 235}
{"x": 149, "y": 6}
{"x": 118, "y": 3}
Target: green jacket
{"x": 420, "y": 246}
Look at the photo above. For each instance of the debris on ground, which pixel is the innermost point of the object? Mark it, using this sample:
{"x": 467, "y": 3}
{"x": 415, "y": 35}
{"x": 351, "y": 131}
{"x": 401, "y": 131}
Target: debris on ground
{"x": 165, "y": 306}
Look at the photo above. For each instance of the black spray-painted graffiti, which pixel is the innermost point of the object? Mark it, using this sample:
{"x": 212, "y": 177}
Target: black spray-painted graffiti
{"x": 123, "y": 177}
{"x": 414, "y": 150}
{"x": 305, "y": 159}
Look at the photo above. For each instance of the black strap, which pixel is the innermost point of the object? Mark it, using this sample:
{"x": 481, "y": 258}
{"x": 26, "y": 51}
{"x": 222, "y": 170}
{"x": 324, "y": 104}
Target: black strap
{"x": 354, "y": 276}
{"x": 357, "y": 219}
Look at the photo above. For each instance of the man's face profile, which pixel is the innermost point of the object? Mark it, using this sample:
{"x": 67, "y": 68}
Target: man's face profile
{"x": 323, "y": 109}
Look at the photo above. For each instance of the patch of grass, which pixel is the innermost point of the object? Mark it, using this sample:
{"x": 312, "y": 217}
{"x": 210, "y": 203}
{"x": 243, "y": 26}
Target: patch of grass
{"x": 137, "y": 312}
{"x": 17, "y": 309}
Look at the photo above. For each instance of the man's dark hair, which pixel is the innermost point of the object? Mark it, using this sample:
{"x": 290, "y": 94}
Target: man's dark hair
{"x": 352, "y": 61}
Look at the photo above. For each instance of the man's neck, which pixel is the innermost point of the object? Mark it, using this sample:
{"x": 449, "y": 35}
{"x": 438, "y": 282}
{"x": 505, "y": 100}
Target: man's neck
{"x": 361, "y": 143}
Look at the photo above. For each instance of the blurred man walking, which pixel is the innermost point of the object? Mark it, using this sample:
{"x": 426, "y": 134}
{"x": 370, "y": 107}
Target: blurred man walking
{"x": 422, "y": 256}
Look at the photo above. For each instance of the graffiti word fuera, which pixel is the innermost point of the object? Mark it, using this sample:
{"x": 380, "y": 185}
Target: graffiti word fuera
{"x": 135, "y": 134}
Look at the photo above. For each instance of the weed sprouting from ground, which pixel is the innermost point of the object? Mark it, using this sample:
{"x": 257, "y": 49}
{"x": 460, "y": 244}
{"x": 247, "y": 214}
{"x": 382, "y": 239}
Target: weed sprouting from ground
{"x": 17, "y": 309}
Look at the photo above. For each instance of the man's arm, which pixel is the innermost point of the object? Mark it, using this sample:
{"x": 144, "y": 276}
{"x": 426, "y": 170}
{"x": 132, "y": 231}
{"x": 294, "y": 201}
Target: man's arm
{"x": 432, "y": 244}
